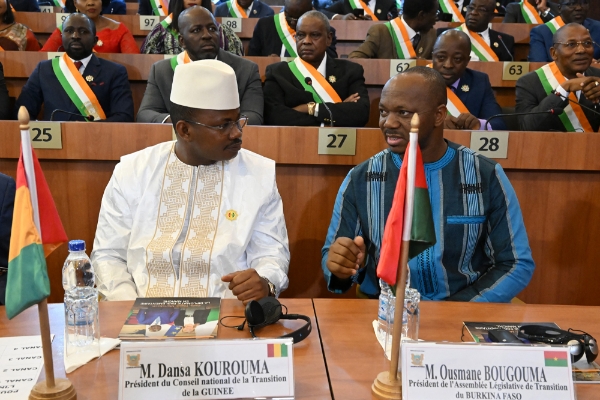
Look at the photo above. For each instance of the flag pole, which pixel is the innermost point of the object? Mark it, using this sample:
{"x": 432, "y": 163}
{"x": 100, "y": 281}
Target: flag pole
{"x": 57, "y": 389}
{"x": 388, "y": 384}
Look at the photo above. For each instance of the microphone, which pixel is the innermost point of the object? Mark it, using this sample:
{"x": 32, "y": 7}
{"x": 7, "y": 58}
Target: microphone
{"x": 504, "y": 44}
{"x": 576, "y": 102}
{"x": 87, "y": 118}
{"x": 309, "y": 83}
{"x": 552, "y": 111}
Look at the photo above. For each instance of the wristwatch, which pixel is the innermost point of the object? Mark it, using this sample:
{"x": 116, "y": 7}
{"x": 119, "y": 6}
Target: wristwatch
{"x": 272, "y": 290}
{"x": 311, "y": 107}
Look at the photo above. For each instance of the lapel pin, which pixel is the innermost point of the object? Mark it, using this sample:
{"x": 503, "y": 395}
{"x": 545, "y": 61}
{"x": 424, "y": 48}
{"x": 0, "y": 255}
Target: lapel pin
{"x": 253, "y": 11}
{"x": 496, "y": 44}
{"x": 332, "y": 79}
{"x": 420, "y": 49}
{"x": 465, "y": 88}
{"x": 100, "y": 43}
{"x": 89, "y": 78}
{"x": 378, "y": 11}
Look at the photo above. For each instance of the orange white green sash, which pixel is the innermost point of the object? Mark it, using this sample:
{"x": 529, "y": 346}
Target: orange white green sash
{"x": 159, "y": 7}
{"x": 76, "y": 87}
{"x": 235, "y": 10}
{"x": 399, "y": 32}
{"x": 361, "y": 5}
{"x": 530, "y": 14}
{"x": 301, "y": 69}
{"x": 573, "y": 117}
{"x": 478, "y": 46}
{"x": 286, "y": 34}
{"x": 555, "y": 24}
{"x": 166, "y": 23}
{"x": 454, "y": 105}
{"x": 59, "y": 3}
{"x": 449, "y": 7}
{"x": 181, "y": 58}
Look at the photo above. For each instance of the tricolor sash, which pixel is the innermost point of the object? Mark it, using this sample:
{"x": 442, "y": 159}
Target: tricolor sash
{"x": 235, "y": 10}
{"x": 76, "y": 87}
{"x": 59, "y": 3}
{"x": 181, "y": 58}
{"x": 449, "y": 7}
{"x": 361, "y": 5}
{"x": 159, "y": 7}
{"x": 572, "y": 117}
{"x": 479, "y": 46}
{"x": 555, "y": 24}
{"x": 530, "y": 14}
{"x": 454, "y": 105}
{"x": 166, "y": 23}
{"x": 286, "y": 34}
{"x": 402, "y": 42}
{"x": 301, "y": 69}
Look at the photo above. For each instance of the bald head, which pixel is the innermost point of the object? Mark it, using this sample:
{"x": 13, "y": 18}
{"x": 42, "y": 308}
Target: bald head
{"x": 572, "y": 29}
{"x": 454, "y": 38}
{"x": 199, "y": 33}
{"x": 434, "y": 87}
{"x": 294, "y": 9}
{"x": 194, "y": 13}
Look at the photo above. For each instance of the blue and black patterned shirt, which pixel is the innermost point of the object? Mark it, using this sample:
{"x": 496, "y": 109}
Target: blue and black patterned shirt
{"x": 482, "y": 252}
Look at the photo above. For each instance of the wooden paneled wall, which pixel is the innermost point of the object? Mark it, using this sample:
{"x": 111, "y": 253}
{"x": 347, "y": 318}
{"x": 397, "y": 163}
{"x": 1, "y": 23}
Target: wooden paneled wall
{"x": 556, "y": 177}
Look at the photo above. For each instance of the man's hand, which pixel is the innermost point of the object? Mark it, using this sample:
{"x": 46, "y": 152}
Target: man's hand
{"x": 346, "y": 256}
{"x": 247, "y": 285}
{"x": 541, "y": 5}
{"x": 463, "y": 121}
{"x": 587, "y": 84}
{"x": 303, "y": 108}
{"x": 353, "y": 98}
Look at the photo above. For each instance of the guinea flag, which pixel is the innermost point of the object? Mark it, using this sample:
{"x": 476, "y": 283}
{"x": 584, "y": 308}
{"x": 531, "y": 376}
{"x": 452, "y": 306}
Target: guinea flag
{"x": 556, "y": 358}
{"x": 410, "y": 217}
{"x": 36, "y": 232}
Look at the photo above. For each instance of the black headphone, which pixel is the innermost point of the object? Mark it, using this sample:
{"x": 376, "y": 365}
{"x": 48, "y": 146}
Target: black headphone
{"x": 267, "y": 311}
{"x": 579, "y": 344}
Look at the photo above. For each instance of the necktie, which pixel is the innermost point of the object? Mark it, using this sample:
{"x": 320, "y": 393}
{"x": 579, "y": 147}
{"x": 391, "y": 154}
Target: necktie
{"x": 416, "y": 39}
{"x": 78, "y": 64}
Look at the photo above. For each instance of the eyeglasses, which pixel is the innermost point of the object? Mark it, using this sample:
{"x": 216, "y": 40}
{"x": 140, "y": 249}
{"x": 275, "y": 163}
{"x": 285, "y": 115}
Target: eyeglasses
{"x": 588, "y": 44}
{"x": 573, "y": 3}
{"x": 226, "y": 127}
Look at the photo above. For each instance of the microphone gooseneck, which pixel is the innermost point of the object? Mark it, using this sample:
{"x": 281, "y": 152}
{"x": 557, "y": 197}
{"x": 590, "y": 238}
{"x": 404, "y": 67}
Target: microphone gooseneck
{"x": 553, "y": 111}
{"x": 508, "y": 51}
{"x": 308, "y": 81}
{"x": 89, "y": 118}
{"x": 576, "y": 102}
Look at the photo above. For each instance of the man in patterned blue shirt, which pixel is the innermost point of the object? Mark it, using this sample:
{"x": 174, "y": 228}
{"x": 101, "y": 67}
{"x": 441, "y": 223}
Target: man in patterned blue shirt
{"x": 482, "y": 251}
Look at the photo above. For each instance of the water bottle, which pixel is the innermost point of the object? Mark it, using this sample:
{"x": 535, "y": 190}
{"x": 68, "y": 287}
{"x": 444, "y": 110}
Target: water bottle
{"x": 82, "y": 326}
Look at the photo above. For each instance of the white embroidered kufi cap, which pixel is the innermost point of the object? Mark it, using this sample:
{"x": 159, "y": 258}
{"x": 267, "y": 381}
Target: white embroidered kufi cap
{"x": 205, "y": 84}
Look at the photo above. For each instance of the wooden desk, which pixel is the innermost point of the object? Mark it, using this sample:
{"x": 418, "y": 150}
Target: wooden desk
{"x": 99, "y": 379}
{"x": 354, "y": 357}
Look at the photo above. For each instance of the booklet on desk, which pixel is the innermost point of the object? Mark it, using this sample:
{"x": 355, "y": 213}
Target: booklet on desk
{"x": 158, "y": 318}
{"x": 583, "y": 372}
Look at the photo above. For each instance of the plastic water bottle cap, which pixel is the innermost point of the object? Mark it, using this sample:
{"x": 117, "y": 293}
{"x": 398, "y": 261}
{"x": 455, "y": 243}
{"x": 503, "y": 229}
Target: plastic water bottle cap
{"x": 76, "y": 245}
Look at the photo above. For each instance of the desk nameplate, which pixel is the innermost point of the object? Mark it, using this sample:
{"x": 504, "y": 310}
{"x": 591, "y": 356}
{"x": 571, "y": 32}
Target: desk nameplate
{"x": 148, "y": 22}
{"x": 234, "y": 23}
{"x": 45, "y": 135}
{"x": 397, "y": 66}
{"x": 337, "y": 141}
{"x": 207, "y": 369}
{"x": 492, "y": 144}
{"x": 482, "y": 371}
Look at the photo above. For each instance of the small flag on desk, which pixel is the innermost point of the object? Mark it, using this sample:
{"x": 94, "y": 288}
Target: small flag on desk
{"x": 277, "y": 350}
{"x": 412, "y": 205}
{"x": 556, "y": 358}
{"x": 36, "y": 232}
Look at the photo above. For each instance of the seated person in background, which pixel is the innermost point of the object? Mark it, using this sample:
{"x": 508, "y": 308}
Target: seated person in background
{"x": 470, "y": 96}
{"x": 197, "y": 217}
{"x": 5, "y": 111}
{"x": 244, "y": 9}
{"x": 571, "y": 11}
{"x": 290, "y": 100}
{"x": 113, "y": 36}
{"x": 482, "y": 252}
{"x": 164, "y": 37}
{"x": 7, "y": 200}
{"x": 88, "y": 86}
{"x": 275, "y": 36}
{"x": 375, "y": 10}
{"x": 530, "y": 12}
{"x": 409, "y": 36}
{"x": 16, "y": 36}
{"x": 462, "y": 6}
{"x": 486, "y": 44}
{"x": 569, "y": 76}
{"x": 115, "y": 7}
{"x": 25, "y": 5}
{"x": 199, "y": 36}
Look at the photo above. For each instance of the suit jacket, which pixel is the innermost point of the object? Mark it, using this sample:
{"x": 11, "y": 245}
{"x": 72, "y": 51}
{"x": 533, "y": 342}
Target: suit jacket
{"x": 145, "y": 7}
{"x": 110, "y": 84}
{"x": 479, "y": 98}
{"x": 115, "y": 7}
{"x": 4, "y": 98}
{"x": 259, "y": 10}
{"x": 25, "y": 5}
{"x": 532, "y": 97}
{"x": 382, "y": 8}
{"x": 283, "y": 92}
{"x": 156, "y": 104}
{"x": 504, "y": 53}
{"x": 514, "y": 14}
{"x": 7, "y": 199}
{"x": 379, "y": 44}
{"x": 540, "y": 41}
{"x": 265, "y": 40}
